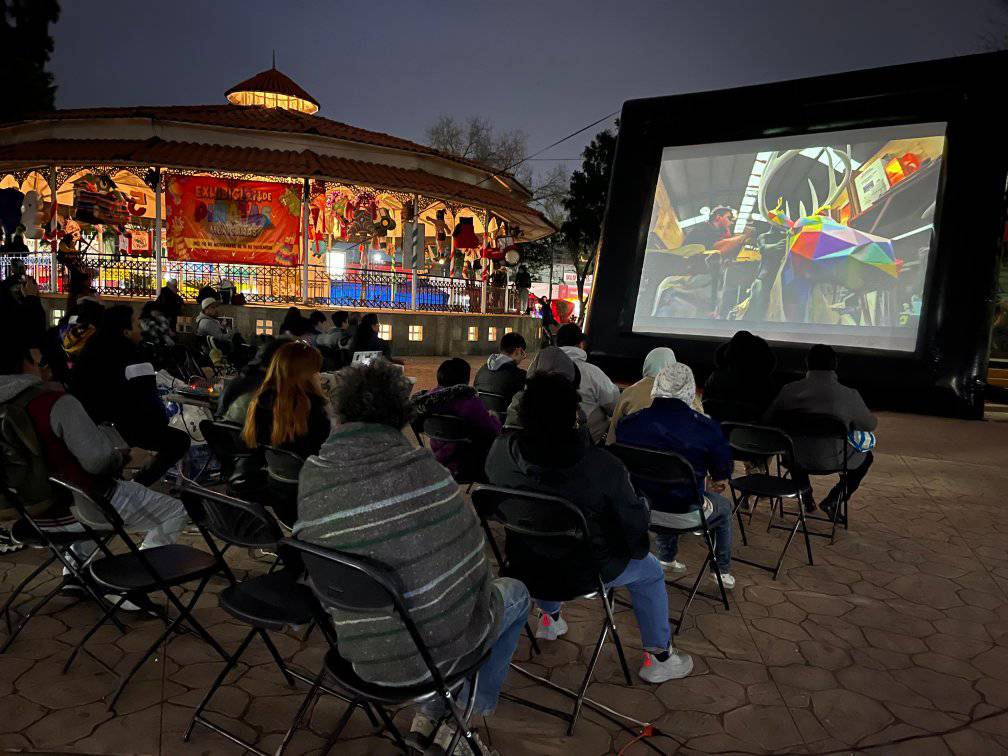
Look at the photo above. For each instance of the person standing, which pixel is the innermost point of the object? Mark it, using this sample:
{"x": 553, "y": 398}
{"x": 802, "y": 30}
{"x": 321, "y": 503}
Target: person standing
{"x": 523, "y": 283}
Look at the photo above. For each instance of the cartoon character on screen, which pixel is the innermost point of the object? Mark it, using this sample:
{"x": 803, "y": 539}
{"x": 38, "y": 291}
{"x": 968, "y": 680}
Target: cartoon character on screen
{"x": 824, "y": 260}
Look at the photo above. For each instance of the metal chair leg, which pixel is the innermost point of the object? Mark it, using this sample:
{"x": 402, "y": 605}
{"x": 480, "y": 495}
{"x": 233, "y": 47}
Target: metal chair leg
{"x": 532, "y": 640}
{"x": 804, "y": 527}
{"x": 231, "y": 664}
{"x": 787, "y": 544}
{"x": 276, "y": 657}
{"x": 607, "y": 602}
{"x": 110, "y": 610}
{"x": 27, "y": 617}
{"x": 20, "y": 587}
{"x": 579, "y": 701}
{"x": 714, "y": 568}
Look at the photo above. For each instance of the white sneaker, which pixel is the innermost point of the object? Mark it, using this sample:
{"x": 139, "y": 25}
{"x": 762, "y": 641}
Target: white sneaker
{"x": 678, "y": 665}
{"x": 549, "y": 628}
{"x": 726, "y": 579}
{"x": 675, "y": 566}
{"x": 444, "y": 738}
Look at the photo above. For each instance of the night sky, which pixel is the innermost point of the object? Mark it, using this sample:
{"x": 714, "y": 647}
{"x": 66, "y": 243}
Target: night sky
{"x": 548, "y": 67}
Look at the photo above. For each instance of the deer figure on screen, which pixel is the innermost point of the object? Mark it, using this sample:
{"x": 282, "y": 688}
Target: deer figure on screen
{"x": 825, "y": 262}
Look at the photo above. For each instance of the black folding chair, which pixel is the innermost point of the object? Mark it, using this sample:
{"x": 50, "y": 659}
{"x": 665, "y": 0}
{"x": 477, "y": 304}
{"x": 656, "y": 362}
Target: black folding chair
{"x": 447, "y": 429}
{"x": 273, "y": 602}
{"x": 496, "y": 403}
{"x": 139, "y": 573}
{"x": 669, "y": 470}
{"x": 283, "y": 468}
{"x": 224, "y": 440}
{"x": 772, "y": 444}
{"x": 730, "y": 410}
{"x": 551, "y": 539}
{"x": 31, "y": 531}
{"x": 818, "y": 437}
{"x": 357, "y": 584}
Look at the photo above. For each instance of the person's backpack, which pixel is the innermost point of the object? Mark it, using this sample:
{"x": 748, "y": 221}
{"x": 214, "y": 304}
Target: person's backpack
{"x": 24, "y": 468}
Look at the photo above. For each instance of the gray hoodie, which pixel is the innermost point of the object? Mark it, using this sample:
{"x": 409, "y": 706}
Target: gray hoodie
{"x": 71, "y": 423}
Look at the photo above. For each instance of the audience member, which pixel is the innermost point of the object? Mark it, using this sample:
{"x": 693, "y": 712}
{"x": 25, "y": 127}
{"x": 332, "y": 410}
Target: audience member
{"x": 77, "y": 451}
{"x": 549, "y": 361}
{"x": 318, "y": 321}
{"x": 819, "y": 392}
{"x": 339, "y": 336}
{"x": 549, "y": 455}
{"x": 454, "y": 397}
{"x": 116, "y": 386}
{"x": 292, "y": 316}
{"x": 502, "y": 373}
{"x": 83, "y": 324}
{"x": 348, "y": 502}
{"x": 155, "y": 328}
{"x": 598, "y": 394}
{"x": 638, "y": 396}
{"x": 20, "y": 303}
{"x": 366, "y": 338}
{"x": 169, "y": 303}
{"x": 743, "y": 376}
{"x": 671, "y": 424}
{"x": 238, "y": 393}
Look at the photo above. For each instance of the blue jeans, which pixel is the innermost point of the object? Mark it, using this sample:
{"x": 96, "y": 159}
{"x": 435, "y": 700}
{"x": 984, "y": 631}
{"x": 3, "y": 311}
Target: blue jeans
{"x": 645, "y": 580}
{"x": 720, "y": 521}
{"x": 517, "y": 603}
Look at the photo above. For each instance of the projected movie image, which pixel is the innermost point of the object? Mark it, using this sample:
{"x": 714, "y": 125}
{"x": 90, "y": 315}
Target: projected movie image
{"x": 822, "y": 238}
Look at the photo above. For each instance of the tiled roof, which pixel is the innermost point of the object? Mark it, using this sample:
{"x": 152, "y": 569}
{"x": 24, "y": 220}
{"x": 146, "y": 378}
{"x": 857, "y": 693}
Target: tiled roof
{"x": 302, "y": 164}
{"x": 260, "y": 118}
{"x": 272, "y": 80}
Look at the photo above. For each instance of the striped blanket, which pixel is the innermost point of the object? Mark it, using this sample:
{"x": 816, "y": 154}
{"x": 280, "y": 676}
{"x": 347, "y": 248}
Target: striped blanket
{"x": 370, "y": 492}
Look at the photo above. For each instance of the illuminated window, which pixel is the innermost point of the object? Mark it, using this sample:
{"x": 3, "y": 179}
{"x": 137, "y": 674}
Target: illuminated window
{"x": 184, "y": 324}
{"x": 385, "y": 331}
{"x": 264, "y": 327}
{"x": 56, "y": 315}
{"x": 492, "y": 333}
{"x": 416, "y": 333}
{"x": 473, "y": 333}
{"x": 508, "y": 329}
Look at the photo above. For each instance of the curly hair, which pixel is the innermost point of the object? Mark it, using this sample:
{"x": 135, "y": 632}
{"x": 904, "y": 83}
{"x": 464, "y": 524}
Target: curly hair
{"x": 374, "y": 393}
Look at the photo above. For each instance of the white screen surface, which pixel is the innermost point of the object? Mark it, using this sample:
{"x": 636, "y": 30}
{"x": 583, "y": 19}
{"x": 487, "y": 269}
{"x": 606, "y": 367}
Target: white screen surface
{"x": 821, "y": 238}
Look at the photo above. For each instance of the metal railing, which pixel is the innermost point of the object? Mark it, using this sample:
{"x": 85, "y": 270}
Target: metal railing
{"x": 275, "y": 284}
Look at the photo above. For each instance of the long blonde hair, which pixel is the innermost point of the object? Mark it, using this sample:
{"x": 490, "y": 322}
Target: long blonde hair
{"x": 291, "y": 379}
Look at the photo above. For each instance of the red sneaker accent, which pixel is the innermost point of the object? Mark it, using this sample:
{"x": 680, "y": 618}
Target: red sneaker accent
{"x": 547, "y": 620}
{"x": 647, "y": 659}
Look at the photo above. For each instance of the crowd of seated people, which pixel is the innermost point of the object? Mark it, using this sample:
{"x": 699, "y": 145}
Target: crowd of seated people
{"x": 368, "y": 488}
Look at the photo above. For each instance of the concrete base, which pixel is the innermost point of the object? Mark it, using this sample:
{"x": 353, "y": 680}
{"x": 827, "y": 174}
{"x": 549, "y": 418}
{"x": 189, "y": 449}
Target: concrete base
{"x": 440, "y": 334}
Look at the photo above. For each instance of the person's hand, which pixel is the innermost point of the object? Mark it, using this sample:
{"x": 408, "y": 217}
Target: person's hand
{"x": 29, "y": 287}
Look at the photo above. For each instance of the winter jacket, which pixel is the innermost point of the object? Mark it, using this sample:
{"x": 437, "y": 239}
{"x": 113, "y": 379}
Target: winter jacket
{"x": 598, "y": 394}
{"x": 670, "y": 425}
{"x": 593, "y": 480}
{"x": 304, "y": 446}
{"x": 208, "y": 326}
{"x": 635, "y": 398}
{"x": 523, "y": 280}
{"x": 370, "y": 492}
{"x": 116, "y": 386}
{"x": 463, "y": 460}
{"x": 500, "y": 375}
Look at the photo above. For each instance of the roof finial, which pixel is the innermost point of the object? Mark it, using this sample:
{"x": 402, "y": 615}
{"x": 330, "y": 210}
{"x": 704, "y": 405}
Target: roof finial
{"x": 274, "y": 59}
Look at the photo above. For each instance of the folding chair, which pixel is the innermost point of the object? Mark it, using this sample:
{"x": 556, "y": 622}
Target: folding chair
{"x": 551, "y": 539}
{"x": 224, "y": 440}
{"x": 141, "y": 573}
{"x": 771, "y": 444}
{"x": 730, "y": 410}
{"x": 817, "y": 437}
{"x": 669, "y": 470}
{"x": 274, "y": 602}
{"x": 29, "y": 531}
{"x": 447, "y": 429}
{"x": 496, "y": 403}
{"x": 283, "y": 468}
{"x": 357, "y": 584}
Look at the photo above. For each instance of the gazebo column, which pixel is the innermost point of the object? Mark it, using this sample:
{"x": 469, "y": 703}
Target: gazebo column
{"x": 417, "y": 251}
{"x": 53, "y": 263}
{"x": 158, "y": 258}
{"x": 483, "y": 270}
{"x": 305, "y": 216}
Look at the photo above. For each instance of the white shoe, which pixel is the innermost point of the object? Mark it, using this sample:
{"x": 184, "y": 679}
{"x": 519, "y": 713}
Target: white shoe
{"x": 444, "y": 738}
{"x": 675, "y": 566}
{"x": 726, "y": 580}
{"x": 549, "y": 628}
{"x": 678, "y": 665}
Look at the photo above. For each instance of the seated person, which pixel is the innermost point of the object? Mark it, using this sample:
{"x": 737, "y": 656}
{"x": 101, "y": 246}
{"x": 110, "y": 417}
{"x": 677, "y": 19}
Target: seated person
{"x": 550, "y": 456}
{"x": 454, "y": 397}
{"x": 671, "y": 424}
{"x": 548, "y": 361}
{"x": 317, "y": 320}
{"x": 115, "y": 385}
{"x": 81, "y": 326}
{"x": 366, "y": 339}
{"x": 502, "y": 373}
{"x": 743, "y": 376}
{"x": 410, "y": 516}
{"x": 238, "y": 393}
{"x": 638, "y": 396}
{"x": 598, "y": 394}
{"x": 77, "y": 451}
{"x": 229, "y": 342}
{"x": 292, "y": 316}
{"x": 819, "y": 392}
{"x": 339, "y": 336}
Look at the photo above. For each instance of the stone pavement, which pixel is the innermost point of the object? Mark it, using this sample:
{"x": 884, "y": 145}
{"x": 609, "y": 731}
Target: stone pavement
{"x": 896, "y": 641}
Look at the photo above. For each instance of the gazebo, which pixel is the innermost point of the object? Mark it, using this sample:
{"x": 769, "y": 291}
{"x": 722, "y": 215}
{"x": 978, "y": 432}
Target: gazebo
{"x": 262, "y": 193}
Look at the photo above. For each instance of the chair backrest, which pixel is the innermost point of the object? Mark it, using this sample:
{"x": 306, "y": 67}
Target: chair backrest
{"x": 282, "y": 465}
{"x": 224, "y": 440}
{"x": 96, "y": 511}
{"x": 445, "y": 428}
{"x": 230, "y": 519}
{"x": 659, "y": 468}
{"x": 817, "y": 439}
{"x": 550, "y": 522}
{"x": 757, "y": 441}
{"x": 494, "y": 402}
{"x": 730, "y": 410}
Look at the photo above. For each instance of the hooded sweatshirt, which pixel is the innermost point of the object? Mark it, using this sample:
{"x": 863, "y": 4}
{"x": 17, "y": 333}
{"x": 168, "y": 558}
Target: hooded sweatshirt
{"x": 461, "y": 401}
{"x": 370, "y": 492}
{"x": 591, "y": 478}
{"x": 207, "y": 325}
{"x": 550, "y": 361}
{"x": 500, "y": 375}
{"x": 599, "y": 395}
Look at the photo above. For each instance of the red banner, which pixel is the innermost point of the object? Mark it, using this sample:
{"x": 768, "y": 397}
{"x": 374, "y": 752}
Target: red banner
{"x": 220, "y": 220}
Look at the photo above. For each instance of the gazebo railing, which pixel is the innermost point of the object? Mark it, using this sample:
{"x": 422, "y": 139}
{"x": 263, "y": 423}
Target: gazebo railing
{"x": 274, "y": 284}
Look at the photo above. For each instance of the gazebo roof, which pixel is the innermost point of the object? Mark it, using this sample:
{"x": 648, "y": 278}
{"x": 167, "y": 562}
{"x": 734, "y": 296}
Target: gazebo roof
{"x": 274, "y": 89}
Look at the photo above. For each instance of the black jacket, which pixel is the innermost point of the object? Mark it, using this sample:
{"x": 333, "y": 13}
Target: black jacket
{"x": 500, "y": 376}
{"x": 593, "y": 480}
{"x": 523, "y": 280}
{"x": 304, "y": 446}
